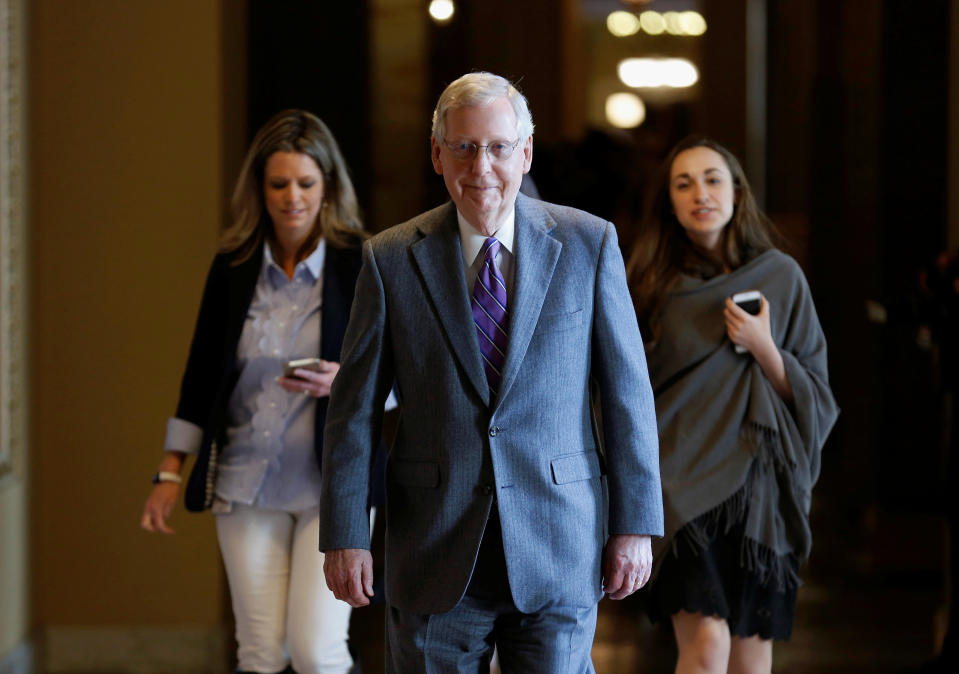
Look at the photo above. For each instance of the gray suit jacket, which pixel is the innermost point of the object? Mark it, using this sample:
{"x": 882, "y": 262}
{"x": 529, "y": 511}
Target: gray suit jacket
{"x": 533, "y": 452}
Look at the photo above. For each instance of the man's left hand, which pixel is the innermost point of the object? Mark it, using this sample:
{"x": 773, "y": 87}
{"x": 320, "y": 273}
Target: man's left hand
{"x": 627, "y": 563}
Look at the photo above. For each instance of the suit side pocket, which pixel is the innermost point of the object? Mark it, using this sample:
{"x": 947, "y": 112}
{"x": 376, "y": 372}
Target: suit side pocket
{"x": 575, "y": 467}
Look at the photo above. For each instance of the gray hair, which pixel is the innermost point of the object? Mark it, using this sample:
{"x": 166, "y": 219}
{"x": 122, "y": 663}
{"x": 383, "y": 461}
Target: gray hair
{"x": 481, "y": 88}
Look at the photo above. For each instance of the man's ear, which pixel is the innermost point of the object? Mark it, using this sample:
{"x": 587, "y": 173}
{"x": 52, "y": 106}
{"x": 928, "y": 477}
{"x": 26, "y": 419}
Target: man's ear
{"x": 527, "y": 154}
{"x": 435, "y": 156}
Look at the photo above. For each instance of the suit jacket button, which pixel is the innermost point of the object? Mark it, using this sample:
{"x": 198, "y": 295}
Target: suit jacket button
{"x": 493, "y": 431}
{"x": 488, "y": 489}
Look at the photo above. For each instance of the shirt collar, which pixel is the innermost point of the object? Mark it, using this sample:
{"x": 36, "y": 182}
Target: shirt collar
{"x": 313, "y": 262}
{"x": 473, "y": 240}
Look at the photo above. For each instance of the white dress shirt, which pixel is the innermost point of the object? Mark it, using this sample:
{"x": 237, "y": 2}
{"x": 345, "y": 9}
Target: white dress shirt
{"x": 473, "y": 240}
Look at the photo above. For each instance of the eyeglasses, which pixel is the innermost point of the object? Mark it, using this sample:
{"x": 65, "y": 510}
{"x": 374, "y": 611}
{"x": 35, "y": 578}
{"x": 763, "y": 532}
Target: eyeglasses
{"x": 498, "y": 150}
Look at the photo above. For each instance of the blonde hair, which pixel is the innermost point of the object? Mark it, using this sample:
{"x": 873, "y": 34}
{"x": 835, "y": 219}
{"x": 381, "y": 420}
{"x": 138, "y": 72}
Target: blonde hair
{"x": 298, "y": 131}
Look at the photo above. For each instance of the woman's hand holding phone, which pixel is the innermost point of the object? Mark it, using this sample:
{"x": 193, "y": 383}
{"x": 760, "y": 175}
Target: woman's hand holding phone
{"x": 311, "y": 376}
{"x": 753, "y": 334}
{"x": 747, "y": 322}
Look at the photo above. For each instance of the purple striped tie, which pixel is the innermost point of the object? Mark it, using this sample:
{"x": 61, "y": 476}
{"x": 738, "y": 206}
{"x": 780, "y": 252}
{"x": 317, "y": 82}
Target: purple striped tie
{"x": 489, "y": 314}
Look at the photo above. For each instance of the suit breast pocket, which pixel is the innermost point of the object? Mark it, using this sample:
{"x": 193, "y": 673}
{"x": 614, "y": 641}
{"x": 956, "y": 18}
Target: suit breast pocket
{"x": 424, "y": 474}
{"x": 560, "y": 321}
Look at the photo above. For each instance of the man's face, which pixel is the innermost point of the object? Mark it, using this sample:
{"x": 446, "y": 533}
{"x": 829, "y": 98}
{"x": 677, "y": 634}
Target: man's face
{"x": 483, "y": 188}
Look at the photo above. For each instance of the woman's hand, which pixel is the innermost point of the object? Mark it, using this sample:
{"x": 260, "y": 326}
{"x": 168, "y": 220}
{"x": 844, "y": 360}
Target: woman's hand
{"x": 753, "y": 334}
{"x": 158, "y": 507}
{"x": 163, "y": 496}
{"x": 748, "y": 331}
{"x": 312, "y": 383}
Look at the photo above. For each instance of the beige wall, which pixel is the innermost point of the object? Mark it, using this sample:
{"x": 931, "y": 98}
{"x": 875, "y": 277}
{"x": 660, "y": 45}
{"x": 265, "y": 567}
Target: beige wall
{"x": 130, "y": 104}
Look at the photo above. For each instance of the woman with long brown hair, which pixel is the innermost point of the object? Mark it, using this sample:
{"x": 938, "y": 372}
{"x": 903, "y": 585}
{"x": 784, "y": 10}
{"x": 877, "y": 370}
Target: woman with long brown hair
{"x": 743, "y": 406}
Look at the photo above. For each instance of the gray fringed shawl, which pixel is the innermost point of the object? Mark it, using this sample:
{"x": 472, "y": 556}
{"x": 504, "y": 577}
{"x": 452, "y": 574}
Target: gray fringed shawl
{"x": 729, "y": 445}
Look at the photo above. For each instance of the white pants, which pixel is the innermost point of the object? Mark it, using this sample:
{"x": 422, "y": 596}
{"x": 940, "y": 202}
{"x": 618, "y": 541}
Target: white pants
{"x": 282, "y": 607}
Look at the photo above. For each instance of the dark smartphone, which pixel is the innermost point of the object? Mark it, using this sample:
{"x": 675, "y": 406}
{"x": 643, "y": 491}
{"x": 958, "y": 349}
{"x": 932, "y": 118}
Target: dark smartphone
{"x": 749, "y": 301}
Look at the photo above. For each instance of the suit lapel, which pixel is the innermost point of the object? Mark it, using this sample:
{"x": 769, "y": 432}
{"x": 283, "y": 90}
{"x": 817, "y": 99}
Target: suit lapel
{"x": 439, "y": 257}
{"x": 536, "y": 255}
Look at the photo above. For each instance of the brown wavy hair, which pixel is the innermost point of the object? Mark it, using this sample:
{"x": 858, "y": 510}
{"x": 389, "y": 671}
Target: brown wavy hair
{"x": 662, "y": 251}
{"x": 339, "y": 218}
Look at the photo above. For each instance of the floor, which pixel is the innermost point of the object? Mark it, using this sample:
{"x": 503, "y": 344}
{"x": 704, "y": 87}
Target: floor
{"x": 870, "y": 602}
{"x": 871, "y": 597}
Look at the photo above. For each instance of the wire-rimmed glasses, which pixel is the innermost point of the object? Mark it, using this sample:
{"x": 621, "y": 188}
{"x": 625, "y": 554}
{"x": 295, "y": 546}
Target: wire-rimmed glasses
{"x": 497, "y": 150}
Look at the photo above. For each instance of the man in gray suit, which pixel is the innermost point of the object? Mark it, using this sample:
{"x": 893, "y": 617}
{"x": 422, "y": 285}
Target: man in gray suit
{"x": 500, "y": 320}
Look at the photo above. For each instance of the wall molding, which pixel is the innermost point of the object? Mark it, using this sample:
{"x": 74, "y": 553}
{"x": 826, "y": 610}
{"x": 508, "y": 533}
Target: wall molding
{"x": 13, "y": 250}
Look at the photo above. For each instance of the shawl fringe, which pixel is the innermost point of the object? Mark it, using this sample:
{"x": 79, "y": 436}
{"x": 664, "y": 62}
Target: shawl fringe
{"x": 756, "y": 558}
{"x": 769, "y": 446}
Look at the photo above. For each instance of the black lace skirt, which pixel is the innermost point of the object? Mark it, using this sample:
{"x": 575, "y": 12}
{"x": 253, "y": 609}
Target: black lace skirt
{"x": 714, "y": 581}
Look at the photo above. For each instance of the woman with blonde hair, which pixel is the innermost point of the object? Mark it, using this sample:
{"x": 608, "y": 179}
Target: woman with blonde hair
{"x": 743, "y": 406}
{"x": 279, "y": 290}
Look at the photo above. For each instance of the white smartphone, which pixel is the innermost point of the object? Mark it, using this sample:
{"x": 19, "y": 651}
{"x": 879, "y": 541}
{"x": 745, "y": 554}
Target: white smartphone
{"x": 749, "y": 301}
{"x": 314, "y": 364}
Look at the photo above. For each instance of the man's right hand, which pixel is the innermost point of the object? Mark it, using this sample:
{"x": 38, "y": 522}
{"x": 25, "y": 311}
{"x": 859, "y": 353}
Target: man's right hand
{"x": 349, "y": 575}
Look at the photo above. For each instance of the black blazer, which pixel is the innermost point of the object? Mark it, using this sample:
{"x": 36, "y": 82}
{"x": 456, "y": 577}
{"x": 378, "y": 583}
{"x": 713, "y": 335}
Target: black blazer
{"x": 211, "y": 369}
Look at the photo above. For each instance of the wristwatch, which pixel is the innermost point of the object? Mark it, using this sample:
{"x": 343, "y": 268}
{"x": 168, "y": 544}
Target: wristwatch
{"x": 164, "y": 476}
